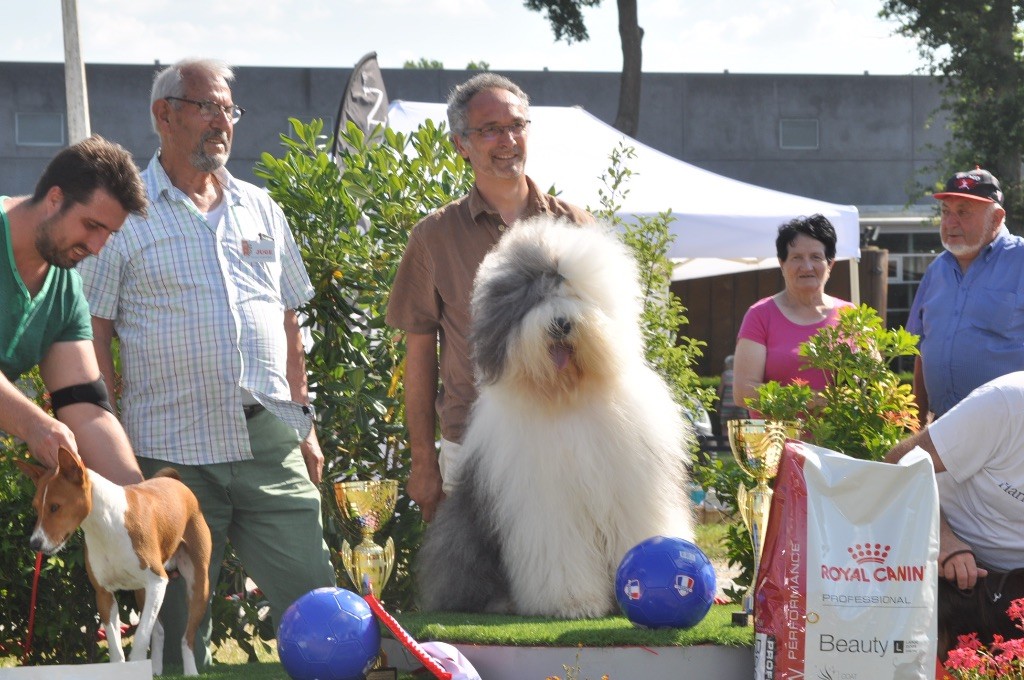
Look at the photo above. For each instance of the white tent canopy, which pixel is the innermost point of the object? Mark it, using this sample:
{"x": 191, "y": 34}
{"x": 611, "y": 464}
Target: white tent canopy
{"x": 721, "y": 225}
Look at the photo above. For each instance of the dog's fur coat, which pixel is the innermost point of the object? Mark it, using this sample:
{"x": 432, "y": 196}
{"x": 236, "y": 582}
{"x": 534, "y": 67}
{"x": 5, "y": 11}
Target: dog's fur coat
{"x": 575, "y": 450}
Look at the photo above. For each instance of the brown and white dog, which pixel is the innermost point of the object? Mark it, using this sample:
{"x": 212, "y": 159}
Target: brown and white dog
{"x": 133, "y": 535}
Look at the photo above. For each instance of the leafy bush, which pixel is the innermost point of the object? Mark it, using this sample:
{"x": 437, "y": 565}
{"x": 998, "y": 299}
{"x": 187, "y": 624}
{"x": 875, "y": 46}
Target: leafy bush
{"x": 672, "y": 354}
{"x": 864, "y": 409}
{"x": 725, "y": 476}
{"x": 352, "y": 220}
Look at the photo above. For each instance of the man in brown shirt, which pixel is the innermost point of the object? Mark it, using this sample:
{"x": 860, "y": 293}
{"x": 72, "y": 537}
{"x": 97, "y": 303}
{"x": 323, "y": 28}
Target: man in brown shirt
{"x": 430, "y": 298}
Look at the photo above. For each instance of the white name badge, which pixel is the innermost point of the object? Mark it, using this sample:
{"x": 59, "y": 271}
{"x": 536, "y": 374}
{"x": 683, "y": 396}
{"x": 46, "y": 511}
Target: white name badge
{"x": 259, "y": 251}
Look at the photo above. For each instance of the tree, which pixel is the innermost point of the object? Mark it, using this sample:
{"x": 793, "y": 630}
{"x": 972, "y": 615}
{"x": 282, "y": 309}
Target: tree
{"x": 438, "y": 65}
{"x": 566, "y": 17}
{"x": 424, "y": 63}
{"x": 977, "y": 50}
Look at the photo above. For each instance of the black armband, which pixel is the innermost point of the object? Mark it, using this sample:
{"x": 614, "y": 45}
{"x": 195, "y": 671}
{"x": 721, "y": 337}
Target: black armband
{"x": 94, "y": 392}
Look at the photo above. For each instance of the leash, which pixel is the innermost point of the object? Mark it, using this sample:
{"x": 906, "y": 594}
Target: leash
{"x": 997, "y": 594}
{"x": 32, "y": 609}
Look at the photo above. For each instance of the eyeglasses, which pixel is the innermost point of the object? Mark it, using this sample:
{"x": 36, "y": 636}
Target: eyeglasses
{"x": 491, "y": 132}
{"x": 210, "y": 110}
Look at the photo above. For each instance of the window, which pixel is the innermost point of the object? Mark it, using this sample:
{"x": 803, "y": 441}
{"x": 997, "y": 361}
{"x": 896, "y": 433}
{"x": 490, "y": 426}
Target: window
{"x": 913, "y": 243}
{"x": 798, "y": 133}
{"x": 895, "y": 269}
{"x": 39, "y": 129}
{"x": 910, "y": 253}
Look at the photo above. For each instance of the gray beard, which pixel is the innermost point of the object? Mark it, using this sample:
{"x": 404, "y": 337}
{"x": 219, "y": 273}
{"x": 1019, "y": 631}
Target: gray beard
{"x": 960, "y": 250}
{"x": 205, "y": 162}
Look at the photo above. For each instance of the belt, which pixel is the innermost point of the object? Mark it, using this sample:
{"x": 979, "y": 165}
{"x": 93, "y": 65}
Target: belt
{"x": 252, "y": 410}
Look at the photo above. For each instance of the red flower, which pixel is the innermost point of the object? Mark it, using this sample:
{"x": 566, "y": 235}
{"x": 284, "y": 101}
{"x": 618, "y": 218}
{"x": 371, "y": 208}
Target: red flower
{"x": 1003, "y": 661}
{"x": 1016, "y": 611}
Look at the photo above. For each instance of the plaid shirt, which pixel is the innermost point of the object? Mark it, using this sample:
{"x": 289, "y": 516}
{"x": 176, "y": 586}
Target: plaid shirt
{"x": 200, "y": 314}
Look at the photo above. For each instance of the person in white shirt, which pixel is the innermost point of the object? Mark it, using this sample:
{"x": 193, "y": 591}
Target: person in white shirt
{"x": 976, "y": 449}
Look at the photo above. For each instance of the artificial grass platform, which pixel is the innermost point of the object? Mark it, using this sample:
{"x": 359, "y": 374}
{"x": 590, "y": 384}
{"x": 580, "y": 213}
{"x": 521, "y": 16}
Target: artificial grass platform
{"x": 612, "y": 631}
{"x": 245, "y": 671}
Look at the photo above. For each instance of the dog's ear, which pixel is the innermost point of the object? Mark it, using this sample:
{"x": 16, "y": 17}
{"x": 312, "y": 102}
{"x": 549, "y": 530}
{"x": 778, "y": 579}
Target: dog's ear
{"x": 70, "y": 466}
{"x": 33, "y": 472}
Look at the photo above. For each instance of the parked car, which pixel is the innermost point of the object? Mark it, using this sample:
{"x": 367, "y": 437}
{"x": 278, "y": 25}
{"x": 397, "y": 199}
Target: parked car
{"x": 700, "y": 419}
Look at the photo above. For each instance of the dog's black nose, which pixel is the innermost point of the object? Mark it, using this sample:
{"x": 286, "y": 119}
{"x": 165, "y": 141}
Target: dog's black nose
{"x": 560, "y": 327}
{"x": 36, "y": 543}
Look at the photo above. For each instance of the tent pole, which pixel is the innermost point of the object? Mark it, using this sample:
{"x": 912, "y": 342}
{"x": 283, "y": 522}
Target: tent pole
{"x": 855, "y": 281}
{"x": 76, "y": 92}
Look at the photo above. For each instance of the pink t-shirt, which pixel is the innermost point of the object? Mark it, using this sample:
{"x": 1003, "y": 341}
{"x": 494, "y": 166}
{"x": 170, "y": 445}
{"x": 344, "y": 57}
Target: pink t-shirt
{"x": 765, "y": 324}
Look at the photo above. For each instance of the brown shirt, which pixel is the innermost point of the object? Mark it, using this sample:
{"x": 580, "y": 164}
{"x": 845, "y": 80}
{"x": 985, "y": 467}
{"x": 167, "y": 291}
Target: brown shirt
{"x": 434, "y": 285}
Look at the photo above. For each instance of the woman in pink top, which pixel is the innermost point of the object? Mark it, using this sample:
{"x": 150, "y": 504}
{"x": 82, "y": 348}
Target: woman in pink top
{"x": 768, "y": 347}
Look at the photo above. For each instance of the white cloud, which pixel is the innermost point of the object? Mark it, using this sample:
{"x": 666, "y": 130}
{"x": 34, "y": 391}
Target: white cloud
{"x": 814, "y": 36}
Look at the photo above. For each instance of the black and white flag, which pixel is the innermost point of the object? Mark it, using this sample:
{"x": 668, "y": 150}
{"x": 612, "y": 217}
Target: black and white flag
{"x": 364, "y": 102}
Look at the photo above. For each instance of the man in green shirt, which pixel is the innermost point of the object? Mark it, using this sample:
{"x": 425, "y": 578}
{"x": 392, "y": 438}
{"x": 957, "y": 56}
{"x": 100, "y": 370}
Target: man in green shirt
{"x": 83, "y": 196}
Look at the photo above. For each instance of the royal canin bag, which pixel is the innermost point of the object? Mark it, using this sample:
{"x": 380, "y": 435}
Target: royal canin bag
{"x": 847, "y": 583}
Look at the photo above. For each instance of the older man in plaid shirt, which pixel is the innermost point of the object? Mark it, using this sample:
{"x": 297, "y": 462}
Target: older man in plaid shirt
{"x": 202, "y": 296}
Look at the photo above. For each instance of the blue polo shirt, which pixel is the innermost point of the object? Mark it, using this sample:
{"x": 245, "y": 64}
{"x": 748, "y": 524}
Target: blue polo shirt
{"x": 971, "y": 325}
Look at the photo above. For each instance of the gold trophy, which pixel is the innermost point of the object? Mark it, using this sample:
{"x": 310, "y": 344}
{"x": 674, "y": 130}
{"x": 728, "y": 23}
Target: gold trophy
{"x": 757, "y": 447}
{"x": 366, "y": 507}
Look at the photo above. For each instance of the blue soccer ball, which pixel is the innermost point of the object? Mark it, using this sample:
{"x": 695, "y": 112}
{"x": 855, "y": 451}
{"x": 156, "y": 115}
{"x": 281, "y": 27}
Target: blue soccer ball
{"x": 665, "y": 582}
{"x": 328, "y": 634}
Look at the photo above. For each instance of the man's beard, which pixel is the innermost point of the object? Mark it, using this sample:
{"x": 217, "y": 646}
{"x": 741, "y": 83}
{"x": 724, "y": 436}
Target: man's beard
{"x": 960, "y": 249}
{"x": 205, "y": 162}
{"x": 48, "y": 248}
{"x": 964, "y": 248}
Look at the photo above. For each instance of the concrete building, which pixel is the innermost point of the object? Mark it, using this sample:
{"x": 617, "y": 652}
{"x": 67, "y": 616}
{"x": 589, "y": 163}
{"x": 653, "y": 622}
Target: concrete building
{"x": 858, "y": 140}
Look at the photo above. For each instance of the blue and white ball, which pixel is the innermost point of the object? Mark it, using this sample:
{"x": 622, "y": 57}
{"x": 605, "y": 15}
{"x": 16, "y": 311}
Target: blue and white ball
{"x": 665, "y": 582}
{"x": 328, "y": 634}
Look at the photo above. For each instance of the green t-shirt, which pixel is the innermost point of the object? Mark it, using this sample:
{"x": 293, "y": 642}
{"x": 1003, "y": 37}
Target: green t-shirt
{"x": 28, "y": 326}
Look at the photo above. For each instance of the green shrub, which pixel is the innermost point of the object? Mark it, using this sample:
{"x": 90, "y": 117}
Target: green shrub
{"x": 865, "y": 409}
{"x": 352, "y": 221}
{"x": 670, "y": 352}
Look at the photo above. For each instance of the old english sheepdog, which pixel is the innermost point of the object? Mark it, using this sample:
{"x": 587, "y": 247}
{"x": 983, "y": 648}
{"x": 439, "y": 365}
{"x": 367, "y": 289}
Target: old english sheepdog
{"x": 575, "y": 450}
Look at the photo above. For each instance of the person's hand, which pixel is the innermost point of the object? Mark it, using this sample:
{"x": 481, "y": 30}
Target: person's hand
{"x": 959, "y": 567}
{"x": 313, "y": 456}
{"x": 424, "y": 488}
{"x": 46, "y": 436}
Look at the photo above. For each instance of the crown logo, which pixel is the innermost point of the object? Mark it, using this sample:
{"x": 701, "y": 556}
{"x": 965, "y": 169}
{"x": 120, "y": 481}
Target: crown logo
{"x": 863, "y": 553}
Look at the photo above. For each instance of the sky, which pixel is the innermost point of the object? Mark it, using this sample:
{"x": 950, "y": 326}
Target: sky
{"x": 681, "y": 36}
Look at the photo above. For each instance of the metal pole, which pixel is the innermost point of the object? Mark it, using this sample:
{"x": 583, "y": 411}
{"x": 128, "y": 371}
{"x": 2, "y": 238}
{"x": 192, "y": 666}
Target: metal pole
{"x": 74, "y": 75}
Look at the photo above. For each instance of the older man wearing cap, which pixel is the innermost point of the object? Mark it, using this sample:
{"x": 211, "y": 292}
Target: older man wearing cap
{"x": 969, "y": 309}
